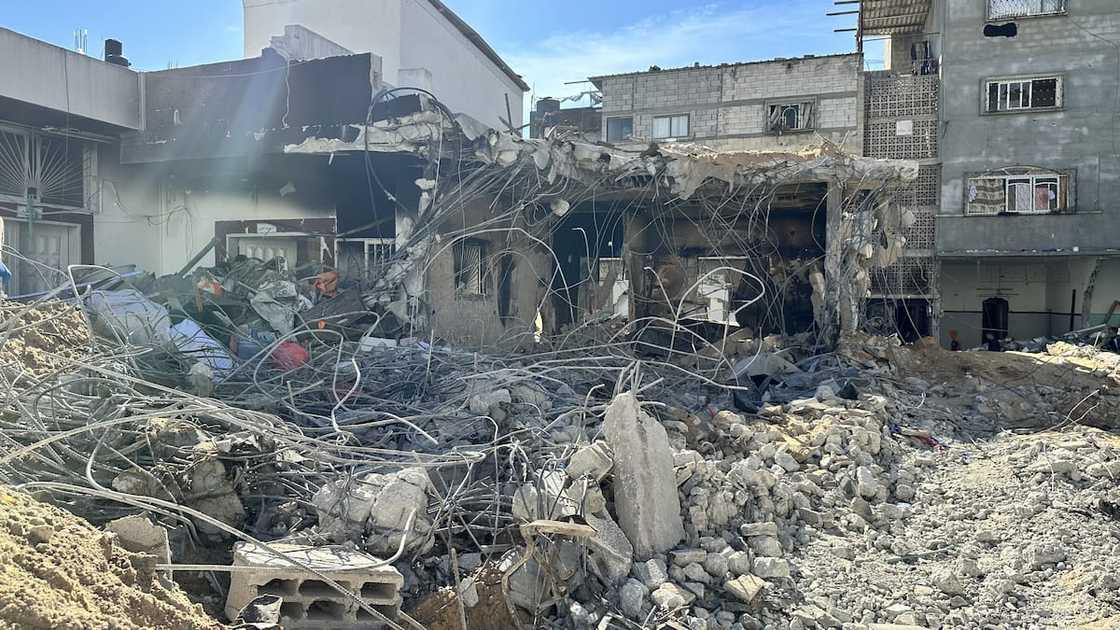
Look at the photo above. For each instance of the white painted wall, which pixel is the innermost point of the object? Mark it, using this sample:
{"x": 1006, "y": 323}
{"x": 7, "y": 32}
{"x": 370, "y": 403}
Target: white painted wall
{"x": 150, "y": 220}
{"x": 1038, "y": 293}
{"x": 407, "y": 35}
{"x": 42, "y": 74}
{"x": 464, "y": 78}
{"x": 360, "y": 25}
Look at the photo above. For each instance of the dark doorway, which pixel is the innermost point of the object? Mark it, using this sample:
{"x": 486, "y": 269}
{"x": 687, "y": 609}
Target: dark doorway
{"x": 913, "y": 319}
{"x": 994, "y": 320}
{"x": 579, "y": 241}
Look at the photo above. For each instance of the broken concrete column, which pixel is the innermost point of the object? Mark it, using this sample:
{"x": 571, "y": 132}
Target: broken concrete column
{"x": 645, "y": 488}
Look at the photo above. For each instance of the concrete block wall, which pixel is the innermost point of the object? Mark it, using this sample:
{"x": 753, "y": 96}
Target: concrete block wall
{"x": 1081, "y": 135}
{"x": 728, "y": 105}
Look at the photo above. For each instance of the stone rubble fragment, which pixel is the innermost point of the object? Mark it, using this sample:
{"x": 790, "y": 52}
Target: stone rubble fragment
{"x": 645, "y": 494}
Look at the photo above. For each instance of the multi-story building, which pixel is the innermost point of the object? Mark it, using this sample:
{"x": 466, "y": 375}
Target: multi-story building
{"x": 778, "y": 104}
{"x": 1026, "y": 134}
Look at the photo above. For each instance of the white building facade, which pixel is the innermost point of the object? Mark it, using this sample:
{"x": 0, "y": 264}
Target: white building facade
{"x": 422, "y": 43}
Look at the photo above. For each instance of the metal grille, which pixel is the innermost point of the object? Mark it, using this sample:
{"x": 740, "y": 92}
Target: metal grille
{"x": 882, "y": 140}
{"x": 1006, "y": 9}
{"x": 47, "y": 168}
{"x": 924, "y": 192}
{"x": 470, "y": 272}
{"x": 891, "y": 96}
{"x": 923, "y": 234}
{"x": 910, "y": 275}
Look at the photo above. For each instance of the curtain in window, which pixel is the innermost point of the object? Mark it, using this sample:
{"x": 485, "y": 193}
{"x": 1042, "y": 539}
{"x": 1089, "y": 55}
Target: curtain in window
{"x": 986, "y": 196}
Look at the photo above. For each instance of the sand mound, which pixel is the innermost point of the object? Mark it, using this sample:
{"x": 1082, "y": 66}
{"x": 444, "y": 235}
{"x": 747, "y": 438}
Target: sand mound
{"x": 57, "y": 571}
{"x": 43, "y": 339}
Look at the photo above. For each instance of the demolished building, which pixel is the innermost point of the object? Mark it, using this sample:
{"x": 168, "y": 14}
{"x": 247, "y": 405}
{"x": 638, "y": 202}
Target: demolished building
{"x": 459, "y": 378}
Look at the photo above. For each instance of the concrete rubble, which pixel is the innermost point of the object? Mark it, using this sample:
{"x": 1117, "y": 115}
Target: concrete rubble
{"x": 315, "y": 454}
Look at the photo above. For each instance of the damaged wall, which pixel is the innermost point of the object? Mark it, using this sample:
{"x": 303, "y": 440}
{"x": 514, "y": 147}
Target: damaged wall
{"x": 408, "y": 35}
{"x": 167, "y": 211}
{"x": 728, "y": 105}
{"x": 1039, "y": 292}
{"x": 515, "y": 275}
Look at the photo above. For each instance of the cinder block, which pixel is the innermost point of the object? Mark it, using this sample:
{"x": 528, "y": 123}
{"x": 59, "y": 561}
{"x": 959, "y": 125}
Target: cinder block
{"x": 309, "y": 602}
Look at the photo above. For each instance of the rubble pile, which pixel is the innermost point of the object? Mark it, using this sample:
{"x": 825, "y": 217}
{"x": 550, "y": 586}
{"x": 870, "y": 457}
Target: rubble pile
{"x": 875, "y": 486}
{"x": 59, "y": 572}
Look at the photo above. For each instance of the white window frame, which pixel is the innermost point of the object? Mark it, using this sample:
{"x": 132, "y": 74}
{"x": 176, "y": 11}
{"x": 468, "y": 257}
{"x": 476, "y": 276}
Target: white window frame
{"x": 607, "y": 131}
{"x": 1031, "y": 8}
{"x": 1023, "y": 103}
{"x": 1032, "y": 181}
{"x": 674, "y": 121}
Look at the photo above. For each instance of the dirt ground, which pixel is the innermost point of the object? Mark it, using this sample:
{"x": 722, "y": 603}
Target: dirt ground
{"x": 57, "y": 571}
{"x": 42, "y": 339}
{"x": 440, "y": 610}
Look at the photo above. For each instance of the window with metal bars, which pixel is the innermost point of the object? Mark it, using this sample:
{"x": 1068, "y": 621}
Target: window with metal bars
{"x": 471, "y": 276}
{"x": 1009, "y": 9}
{"x": 1039, "y": 192}
{"x": 45, "y": 168}
{"x": 1023, "y": 94}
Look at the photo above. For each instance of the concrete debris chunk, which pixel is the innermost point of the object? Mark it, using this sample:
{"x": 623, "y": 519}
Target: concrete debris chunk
{"x": 611, "y": 552}
{"x": 770, "y": 568}
{"x": 375, "y": 509}
{"x": 138, "y": 534}
{"x": 631, "y": 598}
{"x": 670, "y": 596}
{"x": 746, "y": 588}
{"x": 594, "y": 460}
{"x": 645, "y": 494}
{"x": 308, "y": 599}
{"x": 652, "y": 572}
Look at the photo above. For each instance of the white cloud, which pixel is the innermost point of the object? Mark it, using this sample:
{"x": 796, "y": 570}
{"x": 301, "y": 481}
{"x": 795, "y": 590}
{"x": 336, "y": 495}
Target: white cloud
{"x": 709, "y": 34}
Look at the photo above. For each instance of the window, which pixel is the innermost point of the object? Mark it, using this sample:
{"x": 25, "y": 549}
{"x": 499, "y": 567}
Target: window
{"x": 675, "y": 126}
{"x": 1029, "y": 193}
{"x": 471, "y": 277}
{"x": 1007, "y": 9}
{"x": 1011, "y": 95}
{"x": 785, "y": 117}
{"x": 619, "y": 129}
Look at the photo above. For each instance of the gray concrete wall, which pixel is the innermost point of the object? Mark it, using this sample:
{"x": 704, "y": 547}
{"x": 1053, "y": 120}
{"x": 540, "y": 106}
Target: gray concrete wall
{"x": 40, "y": 74}
{"x": 1081, "y": 136}
{"x": 1039, "y": 292}
{"x": 473, "y": 321}
{"x": 727, "y": 105}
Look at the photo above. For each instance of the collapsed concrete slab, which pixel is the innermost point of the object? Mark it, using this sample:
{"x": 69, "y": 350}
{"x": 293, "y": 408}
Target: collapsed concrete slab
{"x": 645, "y": 488}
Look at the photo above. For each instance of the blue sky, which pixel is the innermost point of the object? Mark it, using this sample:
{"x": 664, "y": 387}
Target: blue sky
{"x": 549, "y": 43}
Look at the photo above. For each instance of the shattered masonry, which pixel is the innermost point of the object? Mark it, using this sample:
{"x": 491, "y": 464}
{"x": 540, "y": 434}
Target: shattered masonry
{"x": 685, "y": 427}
